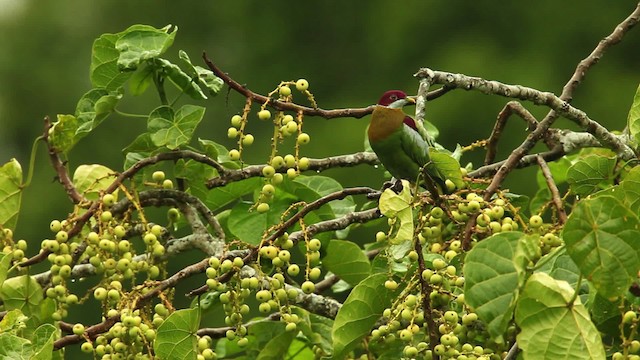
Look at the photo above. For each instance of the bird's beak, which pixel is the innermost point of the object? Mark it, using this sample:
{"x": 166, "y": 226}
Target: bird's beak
{"x": 411, "y": 99}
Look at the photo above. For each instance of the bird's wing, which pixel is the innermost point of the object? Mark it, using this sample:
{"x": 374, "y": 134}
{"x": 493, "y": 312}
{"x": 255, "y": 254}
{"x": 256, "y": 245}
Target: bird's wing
{"x": 418, "y": 150}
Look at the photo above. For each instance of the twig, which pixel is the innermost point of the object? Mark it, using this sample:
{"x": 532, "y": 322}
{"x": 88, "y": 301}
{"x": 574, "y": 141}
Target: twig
{"x": 432, "y": 330}
{"x": 281, "y": 105}
{"x": 59, "y": 166}
{"x": 513, "y": 352}
{"x": 555, "y": 194}
{"x": 528, "y": 160}
{"x": 510, "y": 108}
{"x": 554, "y": 102}
{"x": 314, "y": 165}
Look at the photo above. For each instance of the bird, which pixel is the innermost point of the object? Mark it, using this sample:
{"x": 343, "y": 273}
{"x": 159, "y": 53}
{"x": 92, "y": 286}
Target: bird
{"x": 394, "y": 137}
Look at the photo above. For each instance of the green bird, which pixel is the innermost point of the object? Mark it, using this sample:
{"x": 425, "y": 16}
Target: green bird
{"x": 394, "y": 138}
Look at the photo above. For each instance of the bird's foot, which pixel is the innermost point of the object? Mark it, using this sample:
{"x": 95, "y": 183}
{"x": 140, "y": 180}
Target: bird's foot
{"x": 394, "y": 184}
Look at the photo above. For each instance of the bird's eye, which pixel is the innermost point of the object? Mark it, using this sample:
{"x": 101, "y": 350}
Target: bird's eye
{"x": 394, "y": 97}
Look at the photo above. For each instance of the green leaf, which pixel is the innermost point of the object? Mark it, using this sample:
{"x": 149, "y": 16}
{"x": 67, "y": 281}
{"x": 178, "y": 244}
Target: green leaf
{"x": 602, "y": 238}
{"x": 104, "y": 71}
{"x": 91, "y": 179}
{"x": 447, "y": 166}
{"x": 493, "y": 270}
{"x": 5, "y": 264}
{"x": 219, "y": 152}
{"x": 398, "y": 207}
{"x": 141, "y": 144}
{"x": 13, "y": 347}
{"x": 631, "y": 190}
{"x": 316, "y": 328}
{"x": 23, "y": 293}
{"x": 10, "y": 194}
{"x": 586, "y": 174}
{"x": 176, "y": 337}
{"x": 42, "y": 342}
{"x": 93, "y": 107}
{"x": 13, "y": 321}
{"x": 633, "y": 119}
{"x": 221, "y": 196}
{"x": 249, "y": 225}
{"x": 561, "y": 267}
{"x": 277, "y": 347}
{"x": 63, "y": 133}
{"x": 205, "y": 77}
{"x": 174, "y": 129}
{"x": 179, "y": 78}
{"x": 141, "y": 79}
{"x": 550, "y": 327}
{"x": 347, "y": 260}
{"x": 359, "y": 313}
{"x": 141, "y": 42}
{"x": 322, "y": 186}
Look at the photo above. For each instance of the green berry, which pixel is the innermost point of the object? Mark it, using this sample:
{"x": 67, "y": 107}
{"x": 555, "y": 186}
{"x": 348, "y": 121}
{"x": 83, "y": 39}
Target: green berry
{"x": 268, "y": 171}
{"x": 263, "y": 295}
{"x": 238, "y": 262}
{"x": 308, "y": 287}
{"x": 277, "y": 161}
{"x": 451, "y": 317}
{"x": 264, "y": 114}
{"x": 302, "y": 85}
{"x": 106, "y": 216}
{"x": 173, "y": 214}
{"x": 236, "y": 120}
{"x": 158, "y": 176}
{"x": 100, "y": 293}
{"x": 232, "y": 133}
{"x": 247, "y": 140}
{"x": 303, "y": 163}
{"x": 303, "y": 139}
{"x": 284, "y": 90}
{"x": 535, "y": 221}
{"x": 268, "y": 190}
{"x": 55, "y": 226}
{"x": 314, "y": 245}
{"x": 439, "y": 264}
{"x": 391, "y": 284}
{"x": 262, "y": 208}
{"x": 108, "y": 200}
{"x": 286, "y": 119}
{"x": 629, "y": 317}
{"x": 167, "y": 184}
{"x": 293, "y": 270}
{"x": 314, "y": 273}
{"x": 291, "y": 127}
{"x": 381, "y": 236}
{"x": 450, "y": 185}
{"x": 292, "y": 173}
{"x": 62, "y": 236}
{"x": 86, "y": 347}
{"x": 234, "y": 154}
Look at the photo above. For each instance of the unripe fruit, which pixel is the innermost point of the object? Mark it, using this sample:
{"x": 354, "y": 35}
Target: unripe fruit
{"x": 439, "y": 264}
{"x": 302, "y": 85}
{"x": 277, "y": 161}
{"x": 303, "y": 139}
{"x": 263, "y": 295}
{"x": 268, "y": 171}
{"x": 293, "y": 270}
{"x": 308, "y": 287}
{"x": 413, "y": 255}
{"x": 262, "y": 208}
{"x": 264, "y": 114}
{"x": 291, "y": 127}
{"x": 167, "y": 184}
{"x": 391, "y": 284}
{"x": 451, "y": 317}
{"x": 286, "y": 119}
{"x": 106, "y": 216}
{"x": 629, "y": 317}
{"x": 314, "y": 273}
{"x": 285, "y": 90}
{"x": 268, "y": 189}
{"x": 449, "y": 185}
{"x": 535, "y": 221}
{"x": 232, "y": 133}
{"x": 108, "y": 200}
{"x": 78, "y": 329}
{"x": 55, "y": 226}
{"x": 234, "y": 155}
{"x": 100, "y": 293}
{"x": 157, "y": 176}
{"x": 86, "y": 347}
{"x": 381, "y": 236}
{"x": 247, "y": 140}
{"x": 62, "y": 236}
{"x": 314, "y": 244}
{"x": 303, "y": 163}
{"x": 292, "y": 173}
{"x": 236, "y": 120}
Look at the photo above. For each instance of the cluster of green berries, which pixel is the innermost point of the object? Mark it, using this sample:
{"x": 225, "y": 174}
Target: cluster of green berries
{"x": 127, "y": 338}
{"x": 205, "y": 352}
{"x": 16, "y": 249}
{"x": 159, "y": 178}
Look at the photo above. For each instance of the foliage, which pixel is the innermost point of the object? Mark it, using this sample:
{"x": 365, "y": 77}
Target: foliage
{"x": 463, "y": 275}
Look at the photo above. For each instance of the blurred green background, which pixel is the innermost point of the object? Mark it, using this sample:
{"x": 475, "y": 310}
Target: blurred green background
{"x": 350, "y": 52}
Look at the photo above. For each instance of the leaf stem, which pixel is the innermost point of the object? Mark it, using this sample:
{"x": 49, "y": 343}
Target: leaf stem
{"x": 122, "y": 113}
{"x": 32, "y": 161}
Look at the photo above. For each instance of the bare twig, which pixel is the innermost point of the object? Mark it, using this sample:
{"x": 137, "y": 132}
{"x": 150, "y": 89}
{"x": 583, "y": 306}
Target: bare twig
{"x": 554, "y": 102}
{"x": 512, "y": 107}
{"x": 281, "y": 105}
{"x": 528, "y": 160}
{"x": 59, "y": 166}
{"x": 555, "y": 194}
{"x": 432, "y": 329}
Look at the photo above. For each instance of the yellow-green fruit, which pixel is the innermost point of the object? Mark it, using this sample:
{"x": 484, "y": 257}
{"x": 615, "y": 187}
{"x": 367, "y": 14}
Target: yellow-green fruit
{"x": 236, "y": 120}
{"x": 285, "y": 90}
{"x": 268, "y": 189}
{"x": 303, "y": 163}
{"x": 247, "y": 140}
{"x": 232, "y": 133}
{"x": 303, "y": 139}
{"x": 268, "y": 171}
{"x": 263, "y": 207}
{"x": 264, "y": 114}
{"x": 302, "y": 85}
{"x": 234, "y": 155}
